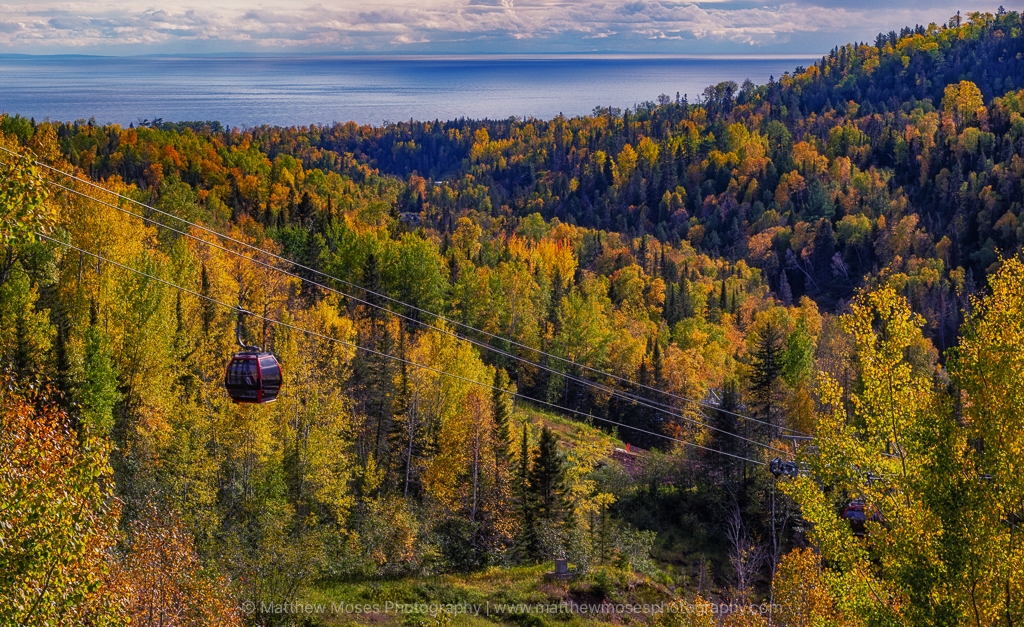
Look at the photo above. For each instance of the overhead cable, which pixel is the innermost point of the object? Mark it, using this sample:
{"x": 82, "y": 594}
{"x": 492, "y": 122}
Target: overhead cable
{"x": 638, "y": 400}
{"x": 392, "y": 357}
{"x": 396, "y": 301}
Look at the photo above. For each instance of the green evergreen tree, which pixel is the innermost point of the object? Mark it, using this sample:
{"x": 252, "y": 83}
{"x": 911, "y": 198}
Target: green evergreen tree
{"x": 399, "y": 436}
{"x": 502, "y": 416}
{"x": 98, "y": 392}
{"x": 658, "y": 365}
{"x": 528, "y": 542}
{"x": 63, "y": 377}
{"x": 684, "y": 302}
{"x": 546, "y": 481}
{"x": 725, "y": 420}
{"x": 373, "y": 374}
{"x": 766, "y": 371}
{"x": 671, "y": 312}
{"x": 785, "y": 291}
{"x": 523, "y": 469}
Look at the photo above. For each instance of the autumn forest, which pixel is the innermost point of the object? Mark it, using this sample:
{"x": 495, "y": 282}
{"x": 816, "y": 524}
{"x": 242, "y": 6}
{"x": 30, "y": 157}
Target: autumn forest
{"x": 758, "y": 347}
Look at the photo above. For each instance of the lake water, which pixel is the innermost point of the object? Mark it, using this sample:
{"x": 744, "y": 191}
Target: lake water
{"x": 299, "y": 90}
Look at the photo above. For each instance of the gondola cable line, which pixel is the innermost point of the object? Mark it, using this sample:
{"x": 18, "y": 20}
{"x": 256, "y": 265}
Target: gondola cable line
{"x": 384, "y": 296}
{"x": 642, "y": 401}
{"x": 388, "y": 356}
{"x": 650, "y": 404}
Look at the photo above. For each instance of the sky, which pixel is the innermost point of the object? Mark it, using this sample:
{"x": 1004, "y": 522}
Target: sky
{"x": 412, "y": 27}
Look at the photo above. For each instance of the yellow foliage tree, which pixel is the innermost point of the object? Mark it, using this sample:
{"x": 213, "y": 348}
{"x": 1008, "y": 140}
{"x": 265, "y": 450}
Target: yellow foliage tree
{"x": 802, "y": 593}
{"x": 989, "y": 368}
{"x": 962, "y": 101}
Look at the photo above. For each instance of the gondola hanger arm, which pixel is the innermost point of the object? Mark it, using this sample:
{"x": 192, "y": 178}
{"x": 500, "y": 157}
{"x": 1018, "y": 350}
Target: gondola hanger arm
{"x": 238, "y": 331}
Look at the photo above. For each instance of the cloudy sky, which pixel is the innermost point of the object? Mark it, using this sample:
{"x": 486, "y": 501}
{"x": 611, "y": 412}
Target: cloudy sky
{"x": 118, "y": 27}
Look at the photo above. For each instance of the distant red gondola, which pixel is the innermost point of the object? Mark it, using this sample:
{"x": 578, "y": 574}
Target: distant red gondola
{"x": 252, "y": 376}
{"x": 858, "y": 514}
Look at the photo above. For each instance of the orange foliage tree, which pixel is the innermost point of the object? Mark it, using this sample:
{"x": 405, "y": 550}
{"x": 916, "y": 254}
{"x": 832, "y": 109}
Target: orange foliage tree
{"x": 57, "y": 516}
{"x": 162, "y": 579}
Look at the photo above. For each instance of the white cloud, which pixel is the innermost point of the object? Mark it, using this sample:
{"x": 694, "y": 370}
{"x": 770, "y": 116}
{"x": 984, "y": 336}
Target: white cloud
{"x": 428, "y": 25}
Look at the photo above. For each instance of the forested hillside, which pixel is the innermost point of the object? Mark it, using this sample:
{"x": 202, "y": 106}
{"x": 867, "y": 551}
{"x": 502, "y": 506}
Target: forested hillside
{"x": 473, "y": 315}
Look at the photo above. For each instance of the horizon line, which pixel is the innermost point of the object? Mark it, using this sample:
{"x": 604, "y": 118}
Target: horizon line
{"x": 439, "y": 57}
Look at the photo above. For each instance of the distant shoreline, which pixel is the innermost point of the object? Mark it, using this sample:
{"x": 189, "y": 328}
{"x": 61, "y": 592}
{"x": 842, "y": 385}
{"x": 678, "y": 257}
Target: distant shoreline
{"x": 602, "y": 56}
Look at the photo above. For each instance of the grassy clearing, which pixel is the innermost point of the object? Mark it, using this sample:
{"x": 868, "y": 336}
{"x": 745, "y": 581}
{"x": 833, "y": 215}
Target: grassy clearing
{"x": 491, "y": 591}
{"x": 570, "y": 432}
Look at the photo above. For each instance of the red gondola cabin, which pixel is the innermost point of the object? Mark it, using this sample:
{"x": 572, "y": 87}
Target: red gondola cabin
{"x": 253, "y": 377}
{"x": 858, "y": 514}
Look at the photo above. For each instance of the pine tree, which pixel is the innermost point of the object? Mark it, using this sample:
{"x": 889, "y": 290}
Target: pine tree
{"x": 658, "y": 366}
{"x": 671, "y": 312}
{"x": 766, "y": 370}
{"x": 725, "y": 420}
{"x": 785, "y": 292}
{"x": 523, "y": 470}
{"x": 373, "y": 374}
{"x": 502, "y": 417}
{"x": 684, "y": 302}
{"x": 543, "y": 488}
{"x": 98, "y": 393}
{"x": 668, "y": 267}
{"x": 402, "y": 434}
{"x": 528, "y": 542}
{"x": 63, "y": 377}
{"x": 546, "y": 481}
{"x": 373, "y": 287}
{"x": 822, "y": 252}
